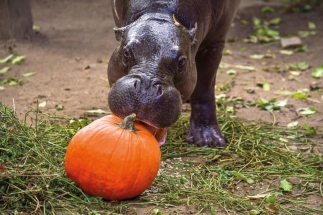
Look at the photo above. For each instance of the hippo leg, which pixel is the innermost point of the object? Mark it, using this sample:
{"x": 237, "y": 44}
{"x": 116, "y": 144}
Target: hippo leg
{"x": 204, "y": 129}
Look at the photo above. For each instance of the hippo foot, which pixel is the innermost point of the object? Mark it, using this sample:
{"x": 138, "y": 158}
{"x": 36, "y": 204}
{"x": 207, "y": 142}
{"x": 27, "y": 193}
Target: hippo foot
{"x": 206, "y": 135}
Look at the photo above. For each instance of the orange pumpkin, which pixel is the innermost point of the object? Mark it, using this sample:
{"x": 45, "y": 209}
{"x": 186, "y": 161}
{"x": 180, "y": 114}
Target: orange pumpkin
{"x": 113, "y": 159}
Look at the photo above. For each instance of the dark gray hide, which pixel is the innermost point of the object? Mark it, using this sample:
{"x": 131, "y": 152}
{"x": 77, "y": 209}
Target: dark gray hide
{"x": 169, "y": 52}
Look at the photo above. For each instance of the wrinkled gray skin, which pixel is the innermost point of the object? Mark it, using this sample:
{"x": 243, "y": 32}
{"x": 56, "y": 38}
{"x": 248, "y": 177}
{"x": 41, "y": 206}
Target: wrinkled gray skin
{"x": 162, "y": 62}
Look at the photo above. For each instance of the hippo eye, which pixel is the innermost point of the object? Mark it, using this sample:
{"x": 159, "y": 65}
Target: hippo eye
{"x": 126, "y": 56}
{"x": 126, "y": 53}
{"x": 181, "y": 61}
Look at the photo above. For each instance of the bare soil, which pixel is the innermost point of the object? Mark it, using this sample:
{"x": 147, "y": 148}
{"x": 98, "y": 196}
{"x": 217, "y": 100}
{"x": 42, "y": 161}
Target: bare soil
{"x": 70, "y": 54}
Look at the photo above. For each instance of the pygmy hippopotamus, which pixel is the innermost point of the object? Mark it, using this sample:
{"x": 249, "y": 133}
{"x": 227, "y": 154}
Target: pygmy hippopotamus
{"x": 169, "y": 53}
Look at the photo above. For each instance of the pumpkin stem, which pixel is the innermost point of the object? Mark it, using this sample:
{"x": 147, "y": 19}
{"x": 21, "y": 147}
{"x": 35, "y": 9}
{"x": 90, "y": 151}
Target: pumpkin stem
{"x": 128, "y": 123}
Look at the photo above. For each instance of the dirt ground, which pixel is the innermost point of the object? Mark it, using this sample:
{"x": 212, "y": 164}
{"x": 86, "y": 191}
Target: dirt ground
{"x": 69, "y": 58}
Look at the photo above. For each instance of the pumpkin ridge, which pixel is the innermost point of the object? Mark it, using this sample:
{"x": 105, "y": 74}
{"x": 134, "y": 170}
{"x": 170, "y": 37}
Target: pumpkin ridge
{"x": 90, "y": 167}
{"x": 142, "y": 141}
{"x": 97, "y": 139}
{"x": 128, "y": 135}
{"x": 124, "y": 133}
{"x": 114, "y": 130}
{"x": 139, "y": 168}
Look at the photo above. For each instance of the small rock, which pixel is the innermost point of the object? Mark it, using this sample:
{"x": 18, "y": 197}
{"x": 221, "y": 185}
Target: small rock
{"x": 318, "y": 149}
{"x": 294, "y": 180}
{"x": 316, "y": 86}
{"x": 291, "y": 42}
{"x": 86, "y": 67}
{"x": 314, "y": 199}
{"x": 313, "y": 185}
{"x": 293, "y": 148}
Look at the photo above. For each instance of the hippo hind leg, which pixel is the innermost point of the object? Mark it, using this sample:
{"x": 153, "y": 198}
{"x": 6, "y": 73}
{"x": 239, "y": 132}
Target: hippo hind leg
{"x": 204, "y": 129}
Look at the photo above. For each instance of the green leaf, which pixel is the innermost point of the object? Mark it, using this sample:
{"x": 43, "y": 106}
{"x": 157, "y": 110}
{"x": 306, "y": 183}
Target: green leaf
{"x": 272, "y": 104}
{"x": 81, "y": 123}
{"x": 242, "y": 177}
{"x": 244, "y": 22}
{"x": 317, "y": 72}
{"x": 59, "y": 107}
{"x": 98, "y": 111}
{"x": 310, "y": 129}
{"x": 284, "y": 93}
{"x": 250, "y": 68}
{"x": 272, "y": 33}
{"x": 266, "y": 87}
{"x": 257, "y": 56}
{"x": 220, "y": 96}
{"x": 6, "y": 59}
{"x": 286, "y": 52}
{"x": 275, "y": 21}
{"x": 311, "y": 25}
{"x": 2, "y": 88}
{"x": 267, "y": 9}
{"x": 36, "y": 28}
{"x": 251, "y": 39}
{"x": 42, "y": 104}
{"x": 12, "y": 81}
{"x": 292, "y": 124}
{"x": 270, "y": 199}
{"x": 307, "y": 7}
{"x": 263, "y": 101}
{"x": 302, "y": 48}
{"x": 254, "y": 212}
{"x": 303, "y": 66}
{"x": 28, "y": 74}
{"x": 283, "y": 140}
{"x": 256, "y": 22}
{"x": 300, "y": 95}
{"x": 286, "y": 185}
{"x": 18, "y": 59}
{"x": 292, "y": 66}
{"x": 231, "y": 72}
{"x": 157, "y": 212}
{"x": 226, "y": 52}
{"x": 282, "y": 103}
{"x": 4, "y": 70}
{"x": 295, "y": 73}
{"x": 229, "y": 109}
{"x": 307, "y": 111}
{"x": 306, "y": 33}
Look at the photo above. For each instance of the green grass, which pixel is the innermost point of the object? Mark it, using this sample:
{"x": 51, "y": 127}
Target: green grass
{"x": 209, "y": 180}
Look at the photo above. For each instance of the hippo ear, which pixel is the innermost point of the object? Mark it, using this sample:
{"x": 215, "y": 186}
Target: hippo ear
{"x": 192, "y": 33}
{"x": 119, "y": 32}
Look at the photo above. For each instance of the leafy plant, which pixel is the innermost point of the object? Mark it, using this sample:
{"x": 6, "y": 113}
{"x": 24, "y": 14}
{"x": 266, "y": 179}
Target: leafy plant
{"x": 263, "y": 32}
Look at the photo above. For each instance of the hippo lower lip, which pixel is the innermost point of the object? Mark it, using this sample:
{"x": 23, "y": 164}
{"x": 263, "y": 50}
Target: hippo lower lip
{"x": 159, "y": 133}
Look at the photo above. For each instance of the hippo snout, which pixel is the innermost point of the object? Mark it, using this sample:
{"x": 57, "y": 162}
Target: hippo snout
{"x": 155, "y": 103}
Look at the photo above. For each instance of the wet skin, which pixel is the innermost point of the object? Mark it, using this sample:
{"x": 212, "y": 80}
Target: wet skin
{"x": 169, "y": 52}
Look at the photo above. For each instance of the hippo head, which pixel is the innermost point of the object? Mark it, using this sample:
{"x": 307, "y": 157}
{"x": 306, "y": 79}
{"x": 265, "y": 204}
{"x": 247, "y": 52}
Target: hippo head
{"x": 152, "y": 71}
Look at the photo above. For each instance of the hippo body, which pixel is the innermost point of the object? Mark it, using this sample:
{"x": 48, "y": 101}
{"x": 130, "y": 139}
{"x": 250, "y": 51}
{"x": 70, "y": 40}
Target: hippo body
{"x": 169, "y": 53}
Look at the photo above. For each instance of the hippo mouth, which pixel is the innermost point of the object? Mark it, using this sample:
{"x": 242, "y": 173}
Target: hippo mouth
{"x": 159, "y": 133}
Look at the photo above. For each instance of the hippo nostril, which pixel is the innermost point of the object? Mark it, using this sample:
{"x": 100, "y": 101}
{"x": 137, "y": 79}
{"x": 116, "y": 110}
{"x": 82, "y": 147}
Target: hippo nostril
{"x": 159, "y": 91}
{"x": 136, "y": 85}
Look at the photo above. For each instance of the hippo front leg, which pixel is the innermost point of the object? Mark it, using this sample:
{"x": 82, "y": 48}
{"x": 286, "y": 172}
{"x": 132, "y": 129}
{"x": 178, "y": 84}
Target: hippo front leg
{"x": 204, "y": 129}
